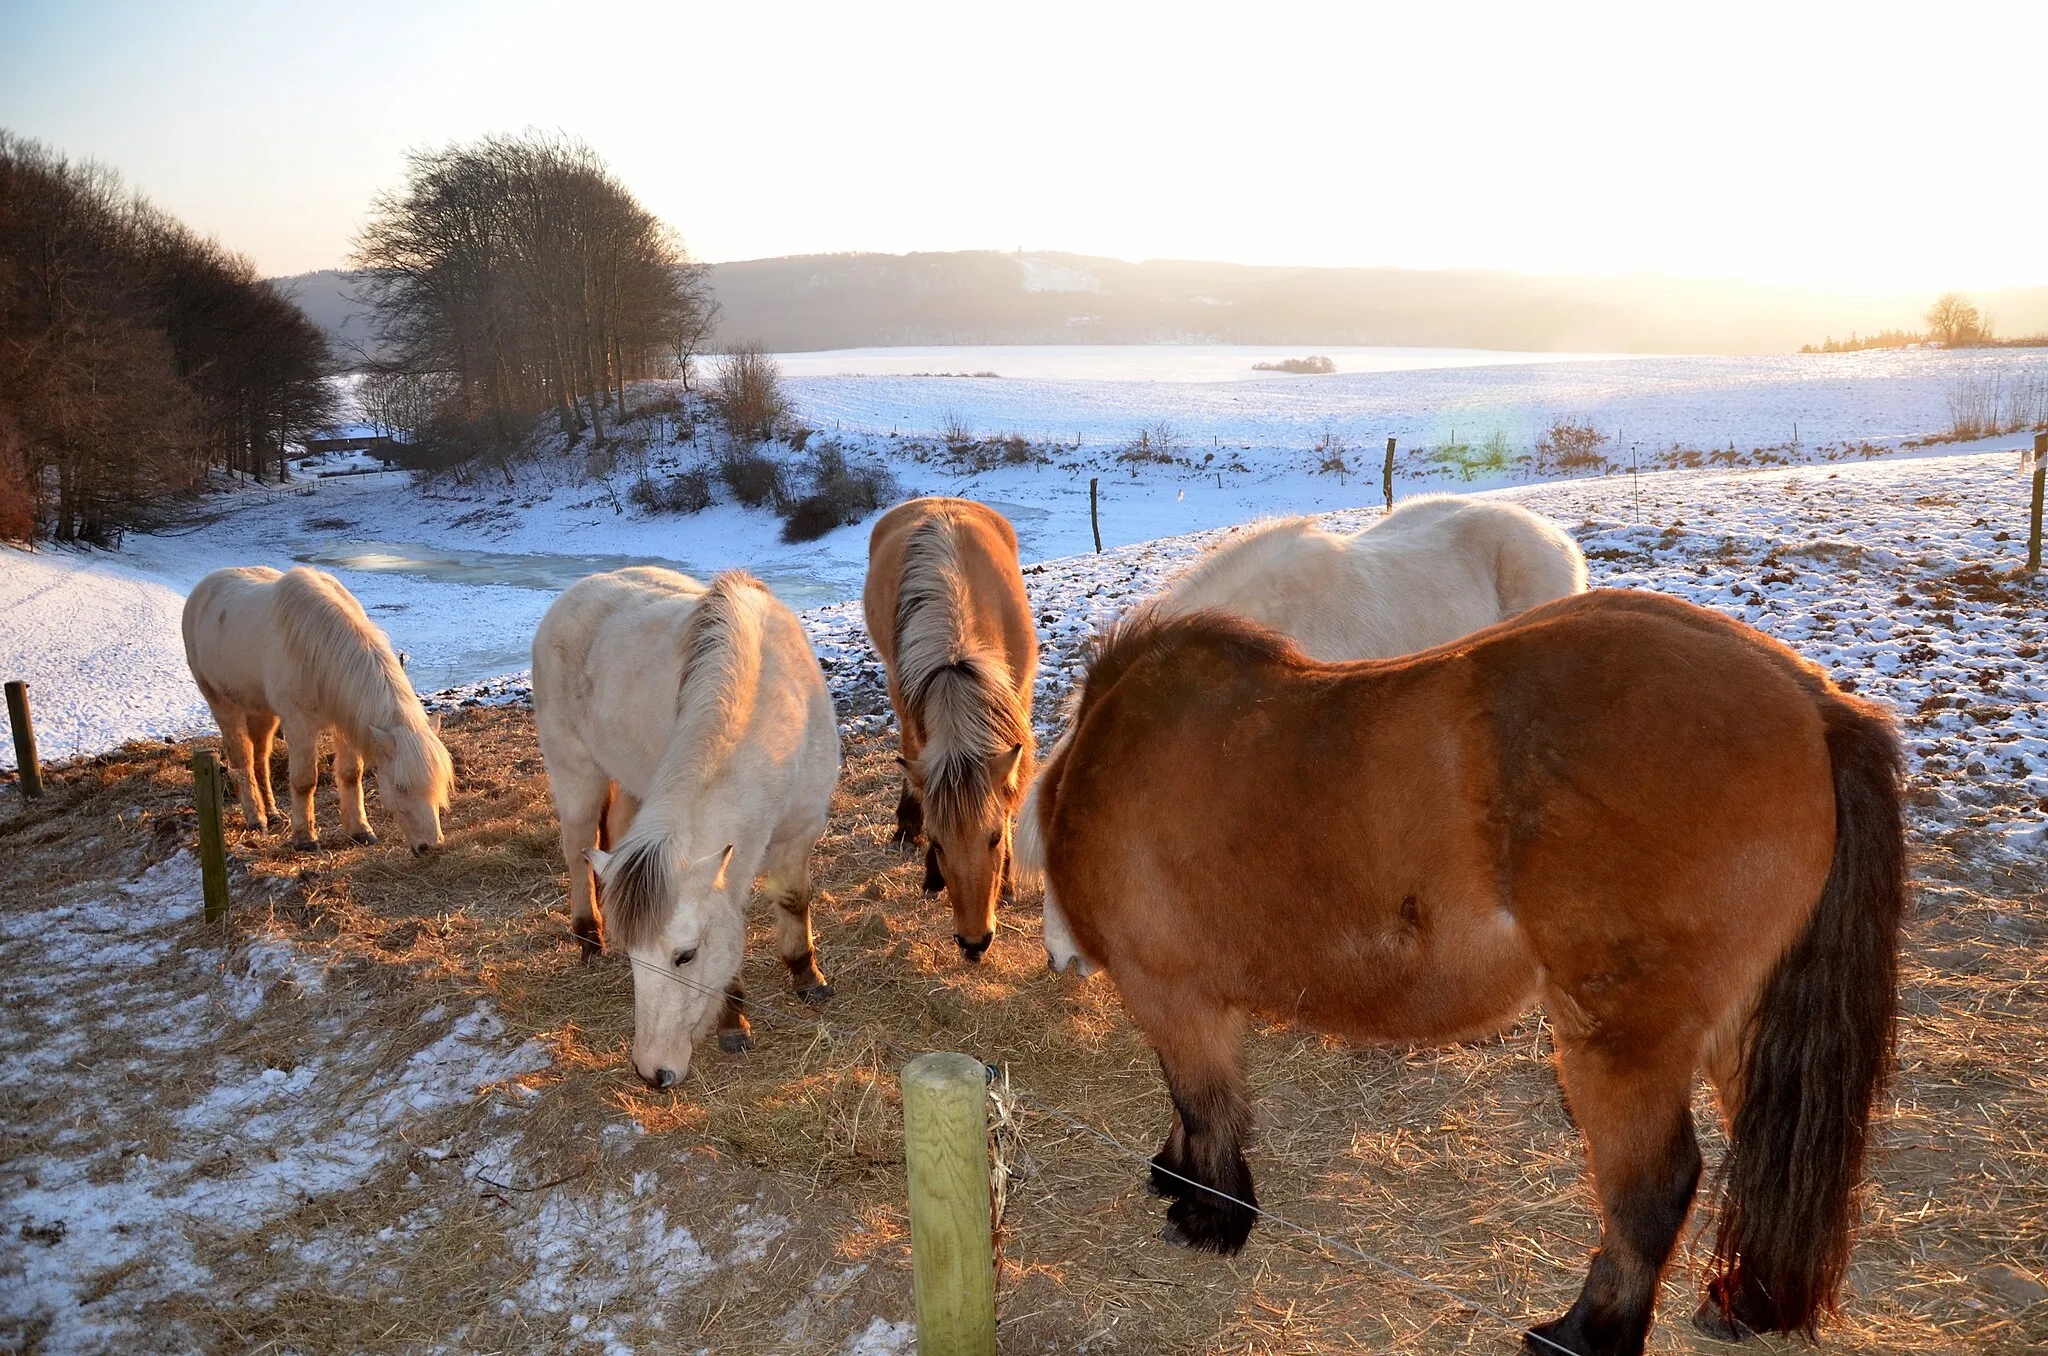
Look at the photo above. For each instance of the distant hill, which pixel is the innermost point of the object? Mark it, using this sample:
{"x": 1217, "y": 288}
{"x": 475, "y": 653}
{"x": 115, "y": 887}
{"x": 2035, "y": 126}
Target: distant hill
{"x": 326, "y": 296}
{"x": 823, "y": 301}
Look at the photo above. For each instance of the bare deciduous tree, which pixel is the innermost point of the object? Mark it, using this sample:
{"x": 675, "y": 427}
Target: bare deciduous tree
{"x": 521, "y": 273}
{"x": 1955, "y": 321}
{"x": 133, "y": 353}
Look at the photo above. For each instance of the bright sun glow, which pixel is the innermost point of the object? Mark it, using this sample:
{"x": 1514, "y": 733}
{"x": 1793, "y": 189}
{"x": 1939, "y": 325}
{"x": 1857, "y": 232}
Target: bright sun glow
{"x": 1845, "y": 145}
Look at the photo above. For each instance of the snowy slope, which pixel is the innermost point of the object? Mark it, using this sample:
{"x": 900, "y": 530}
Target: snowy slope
{"x": 98, "y": 642}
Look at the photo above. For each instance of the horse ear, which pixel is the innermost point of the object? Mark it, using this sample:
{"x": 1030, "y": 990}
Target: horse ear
{"x": 434, "y": 721}
{"x": 1006, "y": 764}
{"x": 385, "y": 740}
{"x": 724, "y": 860}
{"x": 598, "y": 858}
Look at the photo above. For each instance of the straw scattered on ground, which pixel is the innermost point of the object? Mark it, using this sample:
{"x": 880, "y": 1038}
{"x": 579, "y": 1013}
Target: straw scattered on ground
{"x": 785, "y": 1165}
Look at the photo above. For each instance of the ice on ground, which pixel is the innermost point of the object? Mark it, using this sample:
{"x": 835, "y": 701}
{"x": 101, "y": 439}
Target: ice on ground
{"x": 252, "y": 1143}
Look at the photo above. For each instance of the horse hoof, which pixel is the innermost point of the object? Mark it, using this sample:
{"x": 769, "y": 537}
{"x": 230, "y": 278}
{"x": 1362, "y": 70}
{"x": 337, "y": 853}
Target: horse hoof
{"x": 1712, "y": 1322}
{"x": 735, "y": 1042}
{"x": 305, "y": 845}
{"x": 366, "y": 838}
{"x": 816, "y": 994}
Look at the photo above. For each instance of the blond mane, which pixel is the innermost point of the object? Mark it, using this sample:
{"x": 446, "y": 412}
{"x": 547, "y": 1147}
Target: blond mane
{"x": 721, "y": 644}
{"x": 959, "y": 689}
{"x": 346, "y": 663}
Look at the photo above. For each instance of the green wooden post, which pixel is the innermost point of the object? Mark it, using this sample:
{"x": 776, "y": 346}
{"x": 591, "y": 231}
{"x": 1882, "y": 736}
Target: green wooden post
{"x": 952, "y": 1253}
{"x": 2040, "y": 483}
{"x": 213, "y": 853}
{"x": 1387, "y": 475}
{"x": 25, "y": 759}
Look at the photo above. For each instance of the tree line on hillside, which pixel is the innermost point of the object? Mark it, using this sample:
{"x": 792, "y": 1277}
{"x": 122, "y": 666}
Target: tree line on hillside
{"x": 1953, "y": 321}
{"x": 516, "y": 278}
{"x": 134, "y": 355}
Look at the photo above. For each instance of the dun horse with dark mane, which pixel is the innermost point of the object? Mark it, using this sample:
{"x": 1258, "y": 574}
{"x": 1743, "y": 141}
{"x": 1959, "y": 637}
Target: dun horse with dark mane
{"x": 945, "y": 606}
{"x": 1668, "y": 828}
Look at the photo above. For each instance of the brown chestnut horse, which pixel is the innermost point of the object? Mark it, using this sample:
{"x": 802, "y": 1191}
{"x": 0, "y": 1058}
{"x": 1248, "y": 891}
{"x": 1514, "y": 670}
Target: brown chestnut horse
{"x": 946, "y": 609}
{"x": 1675, "y": 833}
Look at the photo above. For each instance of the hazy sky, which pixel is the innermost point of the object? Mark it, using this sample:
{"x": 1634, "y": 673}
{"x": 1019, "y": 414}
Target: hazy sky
{"x": 1861, "y": 145}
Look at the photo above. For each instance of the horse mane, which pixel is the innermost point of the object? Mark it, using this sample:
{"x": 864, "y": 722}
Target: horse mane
{"x": 721, "y": 648}
{"x": 1149, "y": 632}
{"x": 959, "y": 689}
{"x": 346, "y": 663}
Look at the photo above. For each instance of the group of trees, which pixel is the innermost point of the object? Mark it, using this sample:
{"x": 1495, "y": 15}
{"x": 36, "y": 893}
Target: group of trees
{"x": 1954, "y": 321}
{"x": 133, "y": 355}
{"x": 514, "y": 277}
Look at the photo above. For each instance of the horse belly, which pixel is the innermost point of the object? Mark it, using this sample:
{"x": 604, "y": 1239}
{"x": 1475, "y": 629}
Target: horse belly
{"x": 1432, "y": 971}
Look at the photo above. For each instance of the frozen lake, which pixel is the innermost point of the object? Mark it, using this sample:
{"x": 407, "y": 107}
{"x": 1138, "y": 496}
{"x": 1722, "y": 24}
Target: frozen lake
{"x": 1143, "y": 362}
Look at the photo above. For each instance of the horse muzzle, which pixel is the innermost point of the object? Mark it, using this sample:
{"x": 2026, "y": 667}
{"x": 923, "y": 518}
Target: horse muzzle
{"x": 973, "y": 950}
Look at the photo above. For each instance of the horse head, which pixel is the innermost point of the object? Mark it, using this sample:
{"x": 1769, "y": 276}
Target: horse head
{"x": 685, "y": 938}
{"x": 971, "y": 805}
{"x": 414, "y": 778}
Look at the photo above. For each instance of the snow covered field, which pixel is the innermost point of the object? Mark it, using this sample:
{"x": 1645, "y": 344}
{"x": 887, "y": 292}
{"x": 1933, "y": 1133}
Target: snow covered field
{"x": 277, "y": 1102}
{"x": 460, "y": 574}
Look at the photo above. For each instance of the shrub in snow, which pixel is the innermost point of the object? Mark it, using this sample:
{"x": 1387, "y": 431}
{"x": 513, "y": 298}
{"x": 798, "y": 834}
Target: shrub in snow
{"x": 840, "y": 496}
{"x": 1570, "y": 445}
{"x": 686, "y": 492}
{"x": 753, "y": 477}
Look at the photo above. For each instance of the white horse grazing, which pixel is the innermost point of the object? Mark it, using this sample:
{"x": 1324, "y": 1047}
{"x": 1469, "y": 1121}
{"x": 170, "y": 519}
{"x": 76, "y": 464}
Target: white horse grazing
{"x": 1438, "y": 567}
{"x": 297, "y": 649}
{"x": 690, "y": 730}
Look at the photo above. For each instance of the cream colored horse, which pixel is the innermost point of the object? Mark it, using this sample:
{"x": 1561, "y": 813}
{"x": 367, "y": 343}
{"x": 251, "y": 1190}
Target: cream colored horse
{"x": 1438, "y": 567}
{"x": 690, "y": 730}
{"x": 297, "y": 649}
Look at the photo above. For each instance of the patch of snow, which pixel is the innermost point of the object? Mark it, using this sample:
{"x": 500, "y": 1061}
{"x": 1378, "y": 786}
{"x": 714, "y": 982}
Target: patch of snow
{"x": 881, "y": 1337}
{"x": 589, "y": 1253}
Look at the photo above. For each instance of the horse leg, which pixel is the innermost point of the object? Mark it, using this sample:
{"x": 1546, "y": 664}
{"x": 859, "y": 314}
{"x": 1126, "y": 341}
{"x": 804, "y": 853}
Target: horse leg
{"x": 302, "y": 750}
{"x": 1170, "y": 1167}
{"x": 909, "y": 816}
{"x": 618, "y": 817}
{"x": 735, "y": 1037}
{"x": 348, "y": 787}
{"x": 580, "y": 791}
{"x": 909, "y": 805}
{"x": 237, "y": 752}
{"x": 1634, "y": 1108}
{"x": 1201, "y": 1054}
{"x": 788, "y": 884}
{"x": 262, "y": 727}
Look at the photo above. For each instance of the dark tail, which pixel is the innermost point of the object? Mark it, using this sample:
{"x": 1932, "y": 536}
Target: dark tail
{"x": 1818, "y": 1055}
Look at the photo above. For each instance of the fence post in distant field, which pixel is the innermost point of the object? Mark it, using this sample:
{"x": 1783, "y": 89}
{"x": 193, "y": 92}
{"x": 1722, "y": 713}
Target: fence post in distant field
{"x": 1093, "y": 520}
{"x": 213, "y": 853}
{"x": 25, "y": 759}
{"x": 2040, "y": 483}
{"x": 1387, "y": 475}
{"x": 952, "y": 1250}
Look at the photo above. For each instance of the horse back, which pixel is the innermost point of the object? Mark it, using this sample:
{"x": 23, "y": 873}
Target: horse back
{"x": 1406, "y": 848}
{"x": 984, "y": 548}
{"x": 228, "y": 631}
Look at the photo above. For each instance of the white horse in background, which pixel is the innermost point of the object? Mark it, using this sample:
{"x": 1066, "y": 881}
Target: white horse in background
{"x": 297, "y": 649}
{"x": 1438, "y": 567}
{"x": 689, "y": 729}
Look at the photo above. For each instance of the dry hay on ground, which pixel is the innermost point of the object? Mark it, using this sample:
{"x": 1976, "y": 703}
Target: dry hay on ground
{"x": 1459, "y": 1163}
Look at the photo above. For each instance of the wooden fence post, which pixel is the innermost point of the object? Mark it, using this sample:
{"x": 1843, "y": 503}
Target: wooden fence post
{"x": 1094, "y": 521}
{"x": 1387, "y": 475}
{"x": 25, "y": 759}
{"x": 2034, "y": 530}
{"x": 952, "y": 1252}
{"x": 213, "y": 853}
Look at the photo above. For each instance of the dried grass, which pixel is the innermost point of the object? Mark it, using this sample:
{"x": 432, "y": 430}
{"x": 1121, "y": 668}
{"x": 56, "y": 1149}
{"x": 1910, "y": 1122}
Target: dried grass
{"x": 1459, "y": 1163}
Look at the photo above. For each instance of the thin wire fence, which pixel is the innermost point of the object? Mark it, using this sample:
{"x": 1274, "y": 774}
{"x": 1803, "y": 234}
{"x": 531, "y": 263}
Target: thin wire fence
{"x": 999, "y": 1078}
